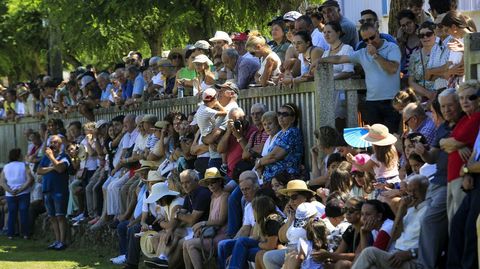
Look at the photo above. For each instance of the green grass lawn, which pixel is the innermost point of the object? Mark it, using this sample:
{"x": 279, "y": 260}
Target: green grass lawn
{"x": 32, "y": 254}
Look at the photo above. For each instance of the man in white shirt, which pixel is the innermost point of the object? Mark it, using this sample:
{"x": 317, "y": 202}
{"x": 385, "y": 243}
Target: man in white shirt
{"x": 404, "y": 252}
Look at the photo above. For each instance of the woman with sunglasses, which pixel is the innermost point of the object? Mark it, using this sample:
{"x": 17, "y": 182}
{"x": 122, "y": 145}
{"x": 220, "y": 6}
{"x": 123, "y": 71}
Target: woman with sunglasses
{"x": 407, "y": 38}
{"x": 345, "y": 253}
{"x": 421, "y": 60}
{"x": 459, "y": 145}
{"x": 287, "y": 150}
{"x": 299, "y": 210}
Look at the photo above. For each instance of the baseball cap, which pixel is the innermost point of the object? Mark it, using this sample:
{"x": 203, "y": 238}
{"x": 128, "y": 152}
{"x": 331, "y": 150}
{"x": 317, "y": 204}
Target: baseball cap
{"x": 202, "y": 59}
{"x": 240, "y": 37}
{"x": 329, "y": 3}
{"x": 202, "y": 44}
{"x": 279, "y": 18}
{"x": 229, "y": 84}
{"x": 209, "y": 94}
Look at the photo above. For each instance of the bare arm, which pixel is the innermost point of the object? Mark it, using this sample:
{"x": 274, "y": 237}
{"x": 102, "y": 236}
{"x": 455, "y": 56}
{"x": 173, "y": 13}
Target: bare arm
{"x": 222, "y": 146}
{"x": 196, "y": 148}
{"x": 267, "y": 72}
{"x": 337, "y": 59}
{"x": 244, "y": 231}
{"x": 390, "y": 67}
{"x": 192, "y": 218}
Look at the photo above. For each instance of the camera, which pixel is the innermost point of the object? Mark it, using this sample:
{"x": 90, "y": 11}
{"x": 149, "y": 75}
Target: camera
{"x": 237, "y": 124}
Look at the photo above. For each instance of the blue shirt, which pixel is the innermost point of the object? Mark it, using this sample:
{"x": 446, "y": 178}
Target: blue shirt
{"x": 291, "y": 141}
{"x": 106, "y": 93}
{"x": 53, "y": 181}
{"x": 245, "y": 71}
{"x": 440, "y": 176}
{"x": 387, "y": 37}
{"x": 138, "y": 85}
{"x": 380, "y": 84}
{"x": 127, "y": 89}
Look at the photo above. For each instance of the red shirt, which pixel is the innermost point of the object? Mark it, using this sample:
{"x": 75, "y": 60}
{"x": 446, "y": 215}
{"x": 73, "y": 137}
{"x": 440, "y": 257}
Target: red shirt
{"x": 465, "y": 131}
{"x": 235, "y": 150}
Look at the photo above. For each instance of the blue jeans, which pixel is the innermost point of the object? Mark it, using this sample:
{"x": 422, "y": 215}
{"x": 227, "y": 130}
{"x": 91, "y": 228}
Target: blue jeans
{"x": 122, "y": 231}
{"x": 235, "y": 215}
{"x": 225, "y": 248}
{"x": 244, "y": 250}
{"x": 18, "y": 204}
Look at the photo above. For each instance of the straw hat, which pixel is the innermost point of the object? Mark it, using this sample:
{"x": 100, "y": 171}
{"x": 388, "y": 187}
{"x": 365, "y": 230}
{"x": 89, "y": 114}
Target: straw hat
{"x": 147, "y": 165}
{"x": 295, "y": 185}
{"x": 378, "y": 135}
{"x": 148, "y": 249}
{"x": 211, "y": 174}
{"x": 154, "y": 176}
{"x": 159, "y": 190}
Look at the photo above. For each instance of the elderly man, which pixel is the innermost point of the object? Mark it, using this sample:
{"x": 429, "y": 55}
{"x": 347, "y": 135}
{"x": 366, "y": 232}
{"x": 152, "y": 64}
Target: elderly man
{"x": 407, "y": 222}
{"x": 417, "y": 121}
{"x": 248, "y": 186}
{"x": 157, "y": 83}
{"x": 369, "y": 16}
{"x": 195, "y": 208}
{"x": 253, "y": 149}
{"x": 331, "y": 12}
{"x": 381, "y": 62}
{"x": 243, "y": 68}
{"x": 433, "y": 235}
{"x": 53, "y": 167}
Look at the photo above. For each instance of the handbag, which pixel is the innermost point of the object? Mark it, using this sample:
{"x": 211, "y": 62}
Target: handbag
{"x": 208, "y": 232}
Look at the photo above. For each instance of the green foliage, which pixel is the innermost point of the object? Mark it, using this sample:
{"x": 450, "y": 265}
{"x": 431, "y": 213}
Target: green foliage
{"x": 100, "y": 32}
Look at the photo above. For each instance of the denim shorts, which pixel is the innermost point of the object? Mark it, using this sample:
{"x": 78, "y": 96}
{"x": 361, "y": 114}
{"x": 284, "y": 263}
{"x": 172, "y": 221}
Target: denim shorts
{"x": 56, "y": 203}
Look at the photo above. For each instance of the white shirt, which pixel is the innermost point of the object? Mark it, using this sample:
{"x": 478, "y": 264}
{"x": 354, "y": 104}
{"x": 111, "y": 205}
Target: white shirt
{"x": 15, "y": 176}
{"x": 248, "y": 218}
{"x": 268, "y": 143}
{"x": 205, "y": 119}
{"x": 411, "y": 227}
{"x": 140, "y": 143}
{"x": 318, "y": 40}
{"x": 157, "y": 79}
{"x": 91, "y": 161}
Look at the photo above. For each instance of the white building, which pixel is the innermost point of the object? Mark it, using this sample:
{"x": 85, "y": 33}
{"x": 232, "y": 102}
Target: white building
{"x": 352, "y": 8}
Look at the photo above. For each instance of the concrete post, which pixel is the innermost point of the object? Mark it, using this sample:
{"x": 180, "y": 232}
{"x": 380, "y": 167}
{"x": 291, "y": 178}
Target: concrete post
{"x": 325, "y": 96}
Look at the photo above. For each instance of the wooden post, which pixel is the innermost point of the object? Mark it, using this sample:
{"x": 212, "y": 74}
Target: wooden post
{"x": 325, "y": 96}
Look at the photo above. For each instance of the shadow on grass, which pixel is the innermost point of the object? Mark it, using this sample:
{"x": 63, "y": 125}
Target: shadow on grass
{"x": 19, "y": 253}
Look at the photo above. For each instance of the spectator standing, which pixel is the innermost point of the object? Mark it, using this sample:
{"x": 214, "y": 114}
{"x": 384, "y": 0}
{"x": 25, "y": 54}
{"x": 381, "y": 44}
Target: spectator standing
{"x": 381, "y": 62}
{"x": 239, "y": 42}
{"x": 279, "y": 42}
{"x": 421, "y": 16}
{"x": 243, "y": 68}
{"x": 54, "y": 169}
{"x": 370, "y": 16}
{"x": 407, "y": 38}
{"x": 205, "y": 78}
{"x": 331, "y": 12}
{"x": 270, "y": 63}
{"x": 16, "y": 179}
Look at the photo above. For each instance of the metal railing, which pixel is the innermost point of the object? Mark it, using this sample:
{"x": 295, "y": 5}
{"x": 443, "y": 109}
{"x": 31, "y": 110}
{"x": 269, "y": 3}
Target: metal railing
{"x": 316, "y": 101}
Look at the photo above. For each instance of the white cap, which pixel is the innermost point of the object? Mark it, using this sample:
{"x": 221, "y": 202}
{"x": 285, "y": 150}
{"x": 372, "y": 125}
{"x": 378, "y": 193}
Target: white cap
{"x": 85, "y": 80}
{"x": 292, "y": 16}
{"x": 305, "y": 210}
{"x": 202, "y": 59}
{"x": 209, "y": 94}
{"x": 202, "y": 44}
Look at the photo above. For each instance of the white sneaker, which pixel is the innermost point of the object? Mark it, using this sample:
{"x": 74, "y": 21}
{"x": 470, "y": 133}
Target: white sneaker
{"x": 77, "y": 218}
{"x": 120, "y": 260}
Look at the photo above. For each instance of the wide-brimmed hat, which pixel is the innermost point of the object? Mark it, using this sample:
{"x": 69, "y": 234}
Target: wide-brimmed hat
{"x": 221, "y": 36}
{"x": 160, "y": 190}
{"x": 360, "y": 159}
{"x": 378, "y": 135}
{"x": 202, "y": 44}
{"x": 147, "y": 165}
{"x": 160, "y": 124}
{"x": 211, "y": 174}
{"x": 150, "y": 118}
{"x": 202, "y": 58}
{"x": 154, "y": 176}
{"x": 148, "y": 249}
{"x": 303, "y": 212}
{"x": 295, "y": 185}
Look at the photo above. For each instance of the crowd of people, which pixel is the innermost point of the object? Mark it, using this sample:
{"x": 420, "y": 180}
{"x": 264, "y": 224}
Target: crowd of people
{"x": 230, "y": 186}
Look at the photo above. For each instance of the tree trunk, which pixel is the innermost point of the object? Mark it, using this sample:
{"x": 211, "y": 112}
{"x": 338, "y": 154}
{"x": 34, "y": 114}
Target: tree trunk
{"x": 395, "y": 7}
{"x": 71, "y": 60}
{"x": 155, "y": 42}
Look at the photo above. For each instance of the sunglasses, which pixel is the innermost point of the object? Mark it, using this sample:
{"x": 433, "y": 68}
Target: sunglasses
{"x": 406, "y": 24}
{"x": 427, "y": 34}
{"x": 362, "y": 21}
{"x": 350, "y": 210}
{"x": 473, "y": 97}
{"x": 369, "y": 38}
{"x": 284, "y": 114}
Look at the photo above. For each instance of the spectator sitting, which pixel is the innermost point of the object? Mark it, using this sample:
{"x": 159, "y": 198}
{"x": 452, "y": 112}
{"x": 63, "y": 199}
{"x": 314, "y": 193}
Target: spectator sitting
{"x": 253, "y": 149}
{"x": 287, "y": 148}
{"x": 335, "y": 222}
{"x": 369, "y": 16}
{"x": 243, "y": 68}
{"x": 269, "y": 71}
{"x": 326, "y": 140}
{"x": 407, "y": 225}
{"x": 362, "y": 181}
{"x": 418, "y": 122}
{"x": 331, "y": 12}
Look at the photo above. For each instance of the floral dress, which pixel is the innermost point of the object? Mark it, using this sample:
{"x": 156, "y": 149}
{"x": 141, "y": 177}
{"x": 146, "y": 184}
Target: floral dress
{"x": 292, "y": 142}
{"x": 417, "y": 67}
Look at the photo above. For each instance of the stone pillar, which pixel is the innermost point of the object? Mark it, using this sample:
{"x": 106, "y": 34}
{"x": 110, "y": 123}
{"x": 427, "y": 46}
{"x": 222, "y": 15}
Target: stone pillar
{"x": 325, "y": 96}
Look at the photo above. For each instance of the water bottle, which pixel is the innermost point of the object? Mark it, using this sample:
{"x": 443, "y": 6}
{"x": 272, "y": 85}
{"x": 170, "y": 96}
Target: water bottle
{"x": 180, "y": 91}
